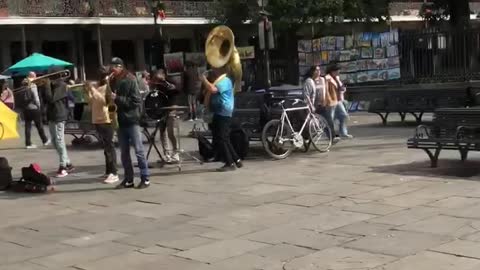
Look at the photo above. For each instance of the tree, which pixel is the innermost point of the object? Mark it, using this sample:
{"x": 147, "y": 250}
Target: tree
{"x": 457, "y": 12}
{"x": 296, "y": 12}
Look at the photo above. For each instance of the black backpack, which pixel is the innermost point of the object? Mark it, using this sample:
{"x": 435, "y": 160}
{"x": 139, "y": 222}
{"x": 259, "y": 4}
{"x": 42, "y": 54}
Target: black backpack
{"x": 240, "y": 142}
{"x": 205, "y": 147}
{"x": 26, "y": 96}
{"x": 33, "y": 180}
{"x": 5, "y": 174}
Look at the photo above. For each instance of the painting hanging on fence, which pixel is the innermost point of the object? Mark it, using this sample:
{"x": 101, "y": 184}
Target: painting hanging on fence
{"x": 363, "y": 57}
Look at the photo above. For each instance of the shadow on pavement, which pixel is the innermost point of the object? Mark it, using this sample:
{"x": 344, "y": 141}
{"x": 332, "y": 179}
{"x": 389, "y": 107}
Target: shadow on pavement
{"x": 447, "y": 168}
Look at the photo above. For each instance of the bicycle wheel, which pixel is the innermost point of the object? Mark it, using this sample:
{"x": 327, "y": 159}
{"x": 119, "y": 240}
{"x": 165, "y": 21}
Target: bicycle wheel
{"x": 272, "y": 140}
{"x": 320, "y": 133}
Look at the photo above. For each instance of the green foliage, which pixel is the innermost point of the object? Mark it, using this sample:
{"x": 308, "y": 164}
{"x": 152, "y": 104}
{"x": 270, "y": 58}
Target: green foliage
{"x": 456, "y": 11}
{"x": 294, "y": 12}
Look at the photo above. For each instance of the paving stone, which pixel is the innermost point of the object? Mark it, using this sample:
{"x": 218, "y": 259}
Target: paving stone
{"x": 338, "y": 258}
{"x": 460, "y": 248}
{"x": 362, "y": 229}
{"x": 378, "y": 194}
{"x": 246, "y": 262}
{"x": 444, "y": 225}
{"x": 81, "y": 255}
{"x": 186, "y": 243}
{"x": 157, "y": 250}
{"x": 283, "y": 252}
{"x": 309, "y": 200}
{"x": 342, "y": 188}
{"x": 37, "y": 238}
{"x": 455, "y": 202}
{"x": 432, "y": 261}
{"x": 467, "y": 212}
{"x": 398, "y": 243}
{"x": 150, "y": 238}
{"x": 475, "y": 237}
{"x": 11, "y": 253}
{"x": 407, "y": 216}
{"x": 298, "y": 237}
{"x": 94, "y": 239}
{"x": 373, "y": 208}
{"x": 329, "y": 218}
{"x": 221, "y": 250}
{"x": 31, "y": 266}
{"x": 262, "y": 189}
{"x": 136, "y": 260}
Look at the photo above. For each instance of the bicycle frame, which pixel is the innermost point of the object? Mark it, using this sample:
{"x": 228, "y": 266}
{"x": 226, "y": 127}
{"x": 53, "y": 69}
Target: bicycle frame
{"x": 284, "y": 118}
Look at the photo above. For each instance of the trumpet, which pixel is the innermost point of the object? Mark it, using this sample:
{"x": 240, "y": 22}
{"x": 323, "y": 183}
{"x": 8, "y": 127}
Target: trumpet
{"x": 63, "y": 74}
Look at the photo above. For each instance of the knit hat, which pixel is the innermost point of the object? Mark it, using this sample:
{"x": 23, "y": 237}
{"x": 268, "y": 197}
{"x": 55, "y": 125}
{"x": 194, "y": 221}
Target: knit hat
{"x": 116, "y": 61}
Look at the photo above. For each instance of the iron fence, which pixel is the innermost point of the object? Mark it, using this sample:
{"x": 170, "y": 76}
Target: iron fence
{"x": 439, "y": 56}
{"x": 102, "y": 8}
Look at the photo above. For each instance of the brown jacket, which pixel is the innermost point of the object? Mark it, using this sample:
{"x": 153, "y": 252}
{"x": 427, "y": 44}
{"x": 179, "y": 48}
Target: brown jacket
{"x": 331, "y": 89}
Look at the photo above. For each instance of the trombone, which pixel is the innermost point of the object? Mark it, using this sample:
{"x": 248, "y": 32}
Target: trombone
{"x": 63, "y": 74}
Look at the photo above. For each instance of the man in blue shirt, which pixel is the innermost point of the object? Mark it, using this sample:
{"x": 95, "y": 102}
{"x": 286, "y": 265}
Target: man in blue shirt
{"x": 221, "y": 105}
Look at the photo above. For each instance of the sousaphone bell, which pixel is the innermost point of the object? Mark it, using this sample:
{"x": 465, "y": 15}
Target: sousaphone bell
{"x": 221, "y": 52}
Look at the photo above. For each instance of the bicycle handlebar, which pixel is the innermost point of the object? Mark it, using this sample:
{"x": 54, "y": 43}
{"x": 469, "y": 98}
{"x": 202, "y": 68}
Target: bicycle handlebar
{"x": 295, "y": 102}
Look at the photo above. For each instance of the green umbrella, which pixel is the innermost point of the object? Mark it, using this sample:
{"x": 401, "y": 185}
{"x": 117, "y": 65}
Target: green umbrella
{"x": 36, "y": 62}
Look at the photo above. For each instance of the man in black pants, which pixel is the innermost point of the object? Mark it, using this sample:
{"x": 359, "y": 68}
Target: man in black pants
{"x": 221, "y": 104}
{"x": 33, "y": 112}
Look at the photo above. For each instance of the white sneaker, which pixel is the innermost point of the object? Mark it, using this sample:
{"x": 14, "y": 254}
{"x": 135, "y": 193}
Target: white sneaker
{"x": 33, "y": 146}
{"x": 111, "y": 179}
{"x": 47, "y": 143}
{"x": 176, "y": 157}
{"x": 61, "y": 173}
{"x": 347, "y": 137}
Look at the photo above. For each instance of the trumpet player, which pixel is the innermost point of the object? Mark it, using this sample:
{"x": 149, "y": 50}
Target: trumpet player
{"x": 57, "y": 114}
{"x": 99, "y": 99}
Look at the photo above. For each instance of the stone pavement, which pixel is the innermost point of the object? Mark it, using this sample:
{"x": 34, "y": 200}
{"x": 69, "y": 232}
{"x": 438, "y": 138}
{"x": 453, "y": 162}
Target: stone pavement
{"x": 368, "y": 204}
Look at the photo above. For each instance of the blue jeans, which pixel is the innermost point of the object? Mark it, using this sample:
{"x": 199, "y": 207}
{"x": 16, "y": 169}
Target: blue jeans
{"x": 132, "y": 136}
{"x": 329, "y": 114}
{"x": 341, "y": 115}
{"x": 57, "y": 133}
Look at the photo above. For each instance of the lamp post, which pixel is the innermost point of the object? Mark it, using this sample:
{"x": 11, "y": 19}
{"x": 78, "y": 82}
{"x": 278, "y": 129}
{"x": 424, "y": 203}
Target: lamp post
{"x": 266, "y": 28}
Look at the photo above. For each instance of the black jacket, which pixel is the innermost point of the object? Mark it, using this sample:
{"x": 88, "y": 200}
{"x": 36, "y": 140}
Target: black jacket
{"x": 56, "y": 101}
{"x": 128, "y": 100}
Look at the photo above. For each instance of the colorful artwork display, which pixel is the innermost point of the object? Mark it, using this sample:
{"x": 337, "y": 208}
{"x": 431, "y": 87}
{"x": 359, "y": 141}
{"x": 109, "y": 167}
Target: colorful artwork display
{"x": 363, "y": 57}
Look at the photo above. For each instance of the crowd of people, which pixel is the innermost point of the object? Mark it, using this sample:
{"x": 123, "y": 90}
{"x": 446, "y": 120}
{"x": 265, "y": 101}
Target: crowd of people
{"x": 118, "y": 88}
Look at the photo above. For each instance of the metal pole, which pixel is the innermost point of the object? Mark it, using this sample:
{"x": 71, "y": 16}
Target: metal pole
{"x": 99, "y": 45}
{"x": 267, "y": 54}
{"x": 24, "y": 42}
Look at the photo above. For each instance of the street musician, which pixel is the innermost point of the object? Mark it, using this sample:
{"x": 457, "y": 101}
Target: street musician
{"x": 99, "y": 98}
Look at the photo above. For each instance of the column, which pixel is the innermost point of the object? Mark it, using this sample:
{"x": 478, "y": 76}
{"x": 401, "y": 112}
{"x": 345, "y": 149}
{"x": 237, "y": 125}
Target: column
{"x": 73, "y": 52}
{"x": 6, "y": 55}
{"x": 24, "y": 42}
{"x": 81, "y": 54}
{"x": 99, "y": 45}
{"x": 107, "y": 51}
{"x": 37, "y": 45}
{"x": 140, "y": 54}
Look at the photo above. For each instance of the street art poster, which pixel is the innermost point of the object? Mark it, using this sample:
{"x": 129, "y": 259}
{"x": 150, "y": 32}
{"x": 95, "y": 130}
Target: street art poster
{"x": 174, "y": 63}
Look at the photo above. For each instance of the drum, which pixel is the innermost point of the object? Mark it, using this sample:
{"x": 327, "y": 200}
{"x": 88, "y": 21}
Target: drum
{"x": 152, "y": 104}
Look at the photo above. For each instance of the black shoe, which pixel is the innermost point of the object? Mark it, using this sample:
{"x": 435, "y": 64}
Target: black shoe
{"x": 239, "y": 163}
{"x": 125, "y": 184}
{"x": 143, "y": 184}
{"x": 227, "y": 168}
{"x": 70, "y": 168}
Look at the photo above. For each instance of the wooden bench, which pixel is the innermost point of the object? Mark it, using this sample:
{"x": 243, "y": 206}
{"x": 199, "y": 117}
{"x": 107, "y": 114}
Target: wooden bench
{"x": 452, "y": 129}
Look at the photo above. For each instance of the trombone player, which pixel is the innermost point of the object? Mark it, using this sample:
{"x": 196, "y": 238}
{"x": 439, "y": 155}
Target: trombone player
{"x": 99, "y": 99}
{"x": 57, "y": 115}
{"x": 32, "y": 111}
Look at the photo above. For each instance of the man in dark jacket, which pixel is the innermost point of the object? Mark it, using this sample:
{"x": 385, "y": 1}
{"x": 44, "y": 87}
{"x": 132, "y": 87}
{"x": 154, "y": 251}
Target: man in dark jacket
{"x": 57, "y": 114}
{"x": 128, "y": 100}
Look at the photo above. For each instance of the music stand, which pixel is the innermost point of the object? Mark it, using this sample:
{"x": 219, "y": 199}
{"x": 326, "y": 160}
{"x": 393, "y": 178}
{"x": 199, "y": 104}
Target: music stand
{"x": 151, "y": 138}
{"x": 176, "y": 112}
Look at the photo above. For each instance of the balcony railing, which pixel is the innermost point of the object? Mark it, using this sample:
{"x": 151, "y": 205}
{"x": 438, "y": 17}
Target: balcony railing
{"x": 101, "y": 8}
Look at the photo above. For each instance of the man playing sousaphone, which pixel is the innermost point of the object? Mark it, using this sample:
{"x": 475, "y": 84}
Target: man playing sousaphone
{"x": 99, "y": 98}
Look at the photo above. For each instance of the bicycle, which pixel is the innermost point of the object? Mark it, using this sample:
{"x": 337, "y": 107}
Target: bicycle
{"x": 285, "y": 139}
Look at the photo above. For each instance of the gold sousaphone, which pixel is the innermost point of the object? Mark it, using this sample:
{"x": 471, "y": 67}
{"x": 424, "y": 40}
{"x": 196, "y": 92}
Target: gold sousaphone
{"x": 221, "y": 52}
